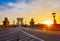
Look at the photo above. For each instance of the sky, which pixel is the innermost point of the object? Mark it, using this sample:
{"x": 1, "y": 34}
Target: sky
{"x": 40, "y": 10}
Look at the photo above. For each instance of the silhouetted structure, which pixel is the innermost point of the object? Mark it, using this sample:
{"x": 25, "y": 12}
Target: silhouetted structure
{"x": 32, "y": 22}
{"x": 6, "y": 22}
{"x": 54, "y": 18}
{"x": 19, "y": 20}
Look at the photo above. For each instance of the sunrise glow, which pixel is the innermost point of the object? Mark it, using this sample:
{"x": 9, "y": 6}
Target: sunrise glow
{"x": 48, "y": 22}
{"x": 40, "y": 10}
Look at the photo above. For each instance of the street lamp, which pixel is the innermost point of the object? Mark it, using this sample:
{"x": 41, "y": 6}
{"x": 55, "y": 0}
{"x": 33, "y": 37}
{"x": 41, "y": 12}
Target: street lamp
{"x": 53, "y": 14}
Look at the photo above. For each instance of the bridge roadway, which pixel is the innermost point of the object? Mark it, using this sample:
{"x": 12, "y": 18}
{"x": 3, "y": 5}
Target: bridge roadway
{"x": 46, "y": 35}
{"x": 28, "y": 34}
{"x": 17, "y": 34}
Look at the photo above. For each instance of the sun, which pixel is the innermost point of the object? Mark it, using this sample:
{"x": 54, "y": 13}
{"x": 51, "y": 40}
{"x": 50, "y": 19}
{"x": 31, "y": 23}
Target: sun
{"x": 48, "y": 22}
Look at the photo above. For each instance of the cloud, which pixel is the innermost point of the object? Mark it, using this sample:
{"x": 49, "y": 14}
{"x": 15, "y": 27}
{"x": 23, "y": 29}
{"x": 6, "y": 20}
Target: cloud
{"x": 19, "y": 4}
{"x": 31, "y": 4}
{"x": 10, "y": 4}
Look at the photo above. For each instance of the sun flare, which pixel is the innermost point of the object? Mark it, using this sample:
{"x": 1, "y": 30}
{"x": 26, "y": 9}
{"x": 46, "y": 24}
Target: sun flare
{"x": 48, "y": 22}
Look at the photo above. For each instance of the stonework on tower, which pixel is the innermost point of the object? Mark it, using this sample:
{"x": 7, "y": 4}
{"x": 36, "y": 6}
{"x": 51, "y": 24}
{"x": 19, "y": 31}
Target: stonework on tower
{"x": 32, "y": 22}
{"x": 6, "y": 22}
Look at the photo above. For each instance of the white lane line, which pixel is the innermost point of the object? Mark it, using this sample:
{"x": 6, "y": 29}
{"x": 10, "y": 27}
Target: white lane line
{"x": 32, "y": 36}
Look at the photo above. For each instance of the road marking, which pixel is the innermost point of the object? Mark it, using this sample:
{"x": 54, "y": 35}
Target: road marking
{"x": 32, "y": 36}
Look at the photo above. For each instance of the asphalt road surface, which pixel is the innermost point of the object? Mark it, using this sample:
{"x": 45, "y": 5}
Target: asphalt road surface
{"x": 16, "y": 34}
{"x": 44, "y": 35}
{"x": 27, "y": 34}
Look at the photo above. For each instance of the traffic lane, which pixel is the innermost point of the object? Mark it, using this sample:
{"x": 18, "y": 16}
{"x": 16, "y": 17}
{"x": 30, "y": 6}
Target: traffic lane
{"x": 48, "y": 36}
{"x": 16, "y": 34}
{"x": 4, "y": 31}
{"x": 12, "y": 32}
{"x": 45, "y": 36}
{"x": 13, "y": 36}
{"x": 9, "y": 36}
{"x": 7, "y": 30}
{"x": 33, "y": 37}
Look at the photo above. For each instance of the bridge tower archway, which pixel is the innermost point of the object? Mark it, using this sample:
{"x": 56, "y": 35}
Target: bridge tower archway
{"x": 19, "y": 21}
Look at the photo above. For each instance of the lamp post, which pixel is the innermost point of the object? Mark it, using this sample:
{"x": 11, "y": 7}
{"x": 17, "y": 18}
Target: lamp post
{"x": 53, "y": 14}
